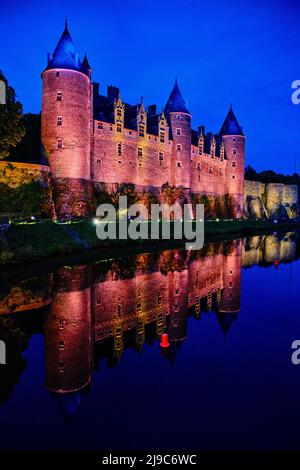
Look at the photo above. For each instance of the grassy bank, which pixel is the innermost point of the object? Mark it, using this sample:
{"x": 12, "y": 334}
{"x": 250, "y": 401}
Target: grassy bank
{"x": 20, "y": 243}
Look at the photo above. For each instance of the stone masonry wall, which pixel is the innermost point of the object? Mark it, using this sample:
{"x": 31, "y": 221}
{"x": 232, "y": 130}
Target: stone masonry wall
{"x": 273, "y": 200}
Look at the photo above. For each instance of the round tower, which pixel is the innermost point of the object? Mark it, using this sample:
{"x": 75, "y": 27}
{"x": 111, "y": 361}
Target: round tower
{"x": 232, "y": 264}
{"x": 68, "y": 332}
{"x": 179, "y": 120}
{"x": 234, "y": 143}
{"x": 65, "y": 127}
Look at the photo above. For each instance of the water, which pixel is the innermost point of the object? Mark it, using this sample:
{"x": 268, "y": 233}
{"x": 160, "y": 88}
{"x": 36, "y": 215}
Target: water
{"x": 85, "y": 369}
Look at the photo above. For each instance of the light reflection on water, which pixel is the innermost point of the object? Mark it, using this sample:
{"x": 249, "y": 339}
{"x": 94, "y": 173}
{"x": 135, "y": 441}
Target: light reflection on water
{"x": 85, "y": 369}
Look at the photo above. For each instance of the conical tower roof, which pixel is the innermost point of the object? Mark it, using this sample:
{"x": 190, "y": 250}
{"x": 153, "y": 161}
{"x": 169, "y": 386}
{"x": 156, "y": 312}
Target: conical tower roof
{"x": 176, "y": 103}
{"x": 65, "y": 55}
{"x": 231, "y": 125}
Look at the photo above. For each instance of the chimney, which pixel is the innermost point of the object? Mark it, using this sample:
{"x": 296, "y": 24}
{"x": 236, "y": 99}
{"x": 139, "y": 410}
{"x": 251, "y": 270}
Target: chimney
{"x": 151, "y": 111}
{"x": 113, "y": 92}
{"x": 96, "y": 88}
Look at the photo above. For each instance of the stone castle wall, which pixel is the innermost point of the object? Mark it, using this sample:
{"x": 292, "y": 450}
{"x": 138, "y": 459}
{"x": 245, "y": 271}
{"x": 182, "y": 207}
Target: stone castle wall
{"x": 14, "y": 174}
{"x": 272, "y": 200}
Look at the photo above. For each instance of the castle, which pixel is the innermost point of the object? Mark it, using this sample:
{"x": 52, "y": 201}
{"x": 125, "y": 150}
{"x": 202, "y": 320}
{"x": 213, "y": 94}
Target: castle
{"x": 96, "y": 143}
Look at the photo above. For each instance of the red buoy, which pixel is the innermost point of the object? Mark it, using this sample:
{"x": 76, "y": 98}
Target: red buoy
{"x": 276, "y": 263}
{"x": 164, "y": 341}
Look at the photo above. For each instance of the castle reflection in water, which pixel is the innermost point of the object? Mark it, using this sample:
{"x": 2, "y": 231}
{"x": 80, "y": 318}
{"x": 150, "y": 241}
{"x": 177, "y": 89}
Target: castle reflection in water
{"x": 98, "y": 310}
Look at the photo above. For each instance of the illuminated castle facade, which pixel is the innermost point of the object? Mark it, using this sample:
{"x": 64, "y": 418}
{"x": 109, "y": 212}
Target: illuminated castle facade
{"x": 98, "y": 142}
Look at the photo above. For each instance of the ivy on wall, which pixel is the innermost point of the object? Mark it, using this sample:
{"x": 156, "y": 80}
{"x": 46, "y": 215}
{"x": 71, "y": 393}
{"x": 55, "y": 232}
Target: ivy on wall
{"x": 25, "y": 200}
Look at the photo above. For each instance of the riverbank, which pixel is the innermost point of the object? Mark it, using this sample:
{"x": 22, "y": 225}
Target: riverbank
{"x": 21, "y": 243}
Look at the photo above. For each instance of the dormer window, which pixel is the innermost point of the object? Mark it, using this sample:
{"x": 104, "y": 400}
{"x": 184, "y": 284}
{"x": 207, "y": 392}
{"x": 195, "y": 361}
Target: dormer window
{"x": 119, "y": 127}
{"x": 119, "y": 112}
{"x": 141, "y": 130}
{"x": 140, "y": 152}
{"x": 59, "y": 120}
{"x": 162, "y": 136}
{"x": 58, "y": 96}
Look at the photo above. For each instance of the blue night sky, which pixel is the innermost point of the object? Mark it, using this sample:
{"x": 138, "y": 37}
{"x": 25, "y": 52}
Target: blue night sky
{"x": 242, "y": 52}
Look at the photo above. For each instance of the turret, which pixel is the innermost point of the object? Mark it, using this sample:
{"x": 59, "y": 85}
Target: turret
{"x": 66, "y": 119}
{"x": 234, "y": 143}
{"x": 179, "y": 120}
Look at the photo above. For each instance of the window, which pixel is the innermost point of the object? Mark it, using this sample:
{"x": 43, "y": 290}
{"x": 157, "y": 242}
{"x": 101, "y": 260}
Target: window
{"x": 138, "y": 304}
{"x": 98, "y": 161}
{"x": 159, "y": 298}
{"x": 161, "y": 156}
{"x": 233, "y": 177}
{"x": 210, "y": 169}
{"x": 199, "y": 166}
{"x": 140, "y": 152}
{"x": 119, "y": 149}
{"x": 162, "y": 136}
{"x": 178, "y": 131}
{"x": 111, "y": 128}
{"x": 61, "y": 345}
{"x": 57, "y": 74}
{"x": 59, "y": 120}
{"x": 178, "y": 164}
{"x": 178, "y": 117}
{"x": 119, "y": 112}
{"x": 59, "y": 143}
{"x": 199, "y": 178}
{"x": 61, "y": 367}
{"x": 61, "y": 324}
{"x": 234, "y": 152}
{"x": 119, "y": 127}
{"x": 233, "y": 140}
{"x": 100, "y": 125}
{"x": 58, "y": 96}
{"x": 230, "y": 284}
{"x": 141, "y": 130}
{"x": 178, "y": 146}
{"x": 234, "y": 164}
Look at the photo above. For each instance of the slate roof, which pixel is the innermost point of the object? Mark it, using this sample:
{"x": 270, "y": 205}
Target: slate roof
{"x": 231, "y": 125}
{"x": 65, "y": 55}
{"x": 176, "y": 103}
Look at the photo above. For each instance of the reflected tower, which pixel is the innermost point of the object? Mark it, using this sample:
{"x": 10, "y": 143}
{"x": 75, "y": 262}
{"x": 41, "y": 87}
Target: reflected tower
{"x": 68, "y": 332}
{"x": 232, "y": 264}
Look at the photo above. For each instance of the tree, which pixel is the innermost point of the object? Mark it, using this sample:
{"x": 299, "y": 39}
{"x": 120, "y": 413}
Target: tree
{"x": 251, "y": 174}
{"x": 12, "y": 128}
